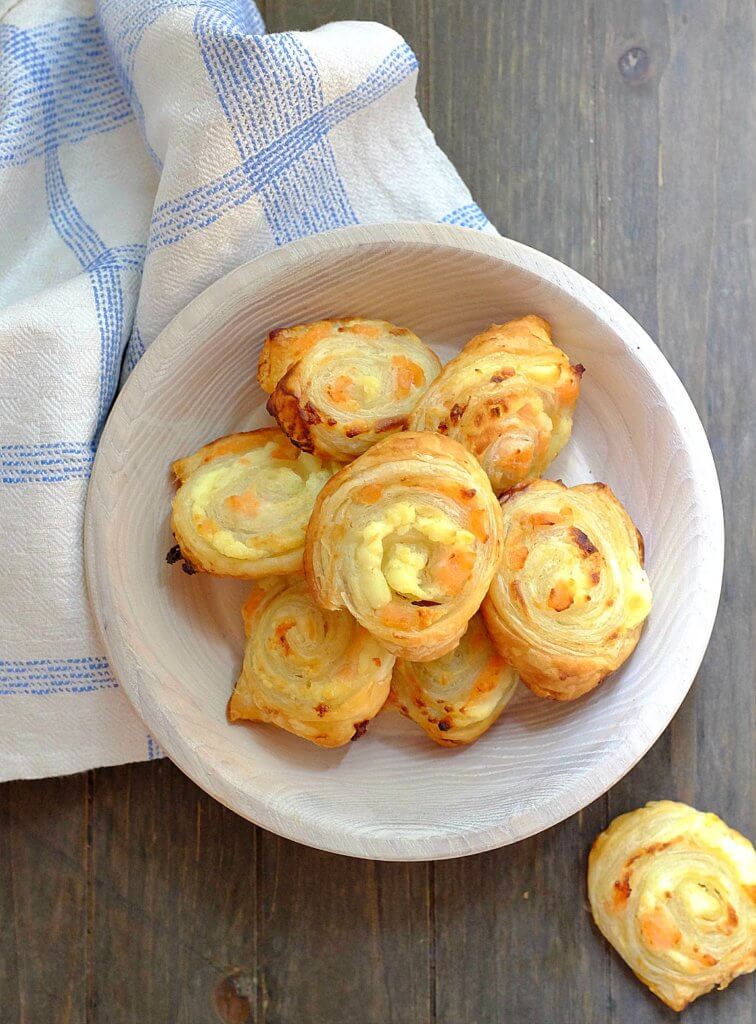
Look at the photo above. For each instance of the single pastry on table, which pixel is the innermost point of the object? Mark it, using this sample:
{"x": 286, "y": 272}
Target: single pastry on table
{"x": 569, "y": 599}
{"x": 338, "y": 386}
{"x": 317, "y": 674}
{"x": 407, "y": 539}
{"x": 243, "y": 503}
{"x": 508, "y": 397}
{"x": 674, "y": 891}
{"x": 457, "y": 697}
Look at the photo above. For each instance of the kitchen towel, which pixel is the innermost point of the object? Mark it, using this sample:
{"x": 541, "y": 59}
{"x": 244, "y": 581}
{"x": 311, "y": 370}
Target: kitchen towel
{"x": 146, "y": 148}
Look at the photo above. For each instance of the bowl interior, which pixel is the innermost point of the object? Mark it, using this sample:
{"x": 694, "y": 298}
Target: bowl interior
{"x": 176, "y": 641}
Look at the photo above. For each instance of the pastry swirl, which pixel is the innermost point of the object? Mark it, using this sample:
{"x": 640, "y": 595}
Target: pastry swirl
{"x": 243, "y": 504}
{"x": 317, "y": 674}
{"x": 674, "y": 891}
{"x": 457, "y": 697}
{"x": 407, "y": 539}
{"x": 568, "y": 602}
{"x": 508, "y": 397}
{"x": 338, "y": 386}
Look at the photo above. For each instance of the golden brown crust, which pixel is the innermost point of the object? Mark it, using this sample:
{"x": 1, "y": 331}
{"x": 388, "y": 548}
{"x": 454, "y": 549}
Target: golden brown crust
{"x": 229, "y": 444}
{"x": 508, "y": 397}
{"x": 293, "y": 418}
{"x": 457, "y": 697}
{"x": 243, "y": 503}
{"x": 674, "y": 891}
{"x": 406, "y": 538}
{"x": 314, "y": 673}
{"x": 286, "y": 346}
{"x": 568, "y": 602}
{"x": 337, "y": 386}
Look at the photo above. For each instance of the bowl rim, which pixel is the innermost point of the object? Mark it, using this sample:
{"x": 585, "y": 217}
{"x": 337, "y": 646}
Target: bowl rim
{"x": 216, "y": 779}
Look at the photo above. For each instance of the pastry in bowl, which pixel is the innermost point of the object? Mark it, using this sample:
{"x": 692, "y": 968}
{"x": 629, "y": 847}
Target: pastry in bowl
{"x": 243, "y": 503}
{"x": 317, "y": 674}
{"x": 508, "y": 397}
{"x": 674, "y": 891}
{"x": 457, "y": 697}
{"x": 338, "y": 386}
{"x": 407, "y": 539}
{"x": 569, "y": 599}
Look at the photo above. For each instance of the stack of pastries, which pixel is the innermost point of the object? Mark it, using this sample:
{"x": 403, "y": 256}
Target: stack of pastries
{"x": 407, "y": 553}
{"x": 404, "y": 549}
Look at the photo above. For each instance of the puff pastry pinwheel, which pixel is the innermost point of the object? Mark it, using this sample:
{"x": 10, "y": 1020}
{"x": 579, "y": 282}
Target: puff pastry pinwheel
{"x": 508, "y": 397}
{"x": 407, "y": 539}
{"x": 674, "y": 891}
{"x": 243, "y": 504}
{"x": 337, "y": 386}
{"x": 457, "y": 697}
{"x": 568, "y": 602}
{"x": 315, "y": 673}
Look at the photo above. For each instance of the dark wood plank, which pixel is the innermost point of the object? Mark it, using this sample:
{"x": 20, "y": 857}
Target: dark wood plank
{"x": 174, "y": 915}
{"x": 511, "y": 102}
{"x": 511, "y": 105}
{"x": 342, "y": 941}
{"x": 514, "y": 939}
{"x": 672, "y": 84}
{"x": 43, "y": 901}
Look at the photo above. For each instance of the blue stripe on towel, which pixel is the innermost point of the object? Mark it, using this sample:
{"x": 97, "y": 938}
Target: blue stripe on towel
{"x": 44, "y": 676}
{"x": 154, "y": 750}
{"x": 51, "y": 55}
{"x": 468, "y": 216}
{"x": 50, "y": 462}
{"x": 276, "y": 167}
{"x": 62, "y": 66}
{"x": 134, "y": 351}
{"x": 104, "y": 278}
{"x": 126, "y": 23}
{"x": 267, "y": 86}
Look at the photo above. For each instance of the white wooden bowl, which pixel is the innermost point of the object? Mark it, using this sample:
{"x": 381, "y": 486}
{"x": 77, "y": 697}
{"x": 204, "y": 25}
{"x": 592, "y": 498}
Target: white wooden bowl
{"x": 175, "y": 642}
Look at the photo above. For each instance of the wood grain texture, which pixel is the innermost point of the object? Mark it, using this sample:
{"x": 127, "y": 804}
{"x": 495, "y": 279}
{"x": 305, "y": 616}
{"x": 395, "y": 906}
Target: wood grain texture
{"x": 341, "y": 940}
{"x": 45, "y": 900}
{"x": 637, "y": 171}
{"x": 174, "y": 913}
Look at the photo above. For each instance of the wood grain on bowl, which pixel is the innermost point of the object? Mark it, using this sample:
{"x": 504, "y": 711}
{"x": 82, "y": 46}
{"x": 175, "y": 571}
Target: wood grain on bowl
{"x": 175, "y": 641}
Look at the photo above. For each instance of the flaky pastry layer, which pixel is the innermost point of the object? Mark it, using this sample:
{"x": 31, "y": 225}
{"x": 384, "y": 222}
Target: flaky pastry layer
{"x": 674, "y": 891}
{"x": 459, "y": 696}
{"x": 243, "y": 503}
{"x": 338, "y": 386}
{"x": 407, "y": 539}
{"x": 315, "y": 673}
{"x": 508, "y": 397}
{"x": 570, "y": 597}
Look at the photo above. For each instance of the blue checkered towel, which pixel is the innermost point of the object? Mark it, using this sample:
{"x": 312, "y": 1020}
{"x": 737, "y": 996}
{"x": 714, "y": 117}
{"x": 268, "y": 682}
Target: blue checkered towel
{"x": 146, "y": 148}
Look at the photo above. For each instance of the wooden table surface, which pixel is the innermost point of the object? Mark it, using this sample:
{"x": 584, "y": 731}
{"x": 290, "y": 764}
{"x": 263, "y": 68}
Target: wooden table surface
{"x": 614, "y": 135}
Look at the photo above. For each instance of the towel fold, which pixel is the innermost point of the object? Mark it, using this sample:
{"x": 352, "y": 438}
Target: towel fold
{"x": 147, "y": 147}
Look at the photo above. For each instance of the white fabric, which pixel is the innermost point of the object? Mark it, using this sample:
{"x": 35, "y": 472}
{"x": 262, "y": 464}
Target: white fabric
{"x": 146, "y": 148}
